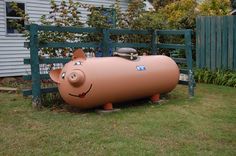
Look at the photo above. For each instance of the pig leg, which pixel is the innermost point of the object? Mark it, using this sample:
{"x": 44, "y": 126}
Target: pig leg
{"x": 155, "y": 98}
{"x": 108, "y": 106}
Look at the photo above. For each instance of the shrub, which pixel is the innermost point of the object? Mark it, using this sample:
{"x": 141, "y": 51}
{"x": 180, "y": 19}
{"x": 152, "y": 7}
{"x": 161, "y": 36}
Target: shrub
{"x": 218, "y": 77}
{"x": 64, "y": 14}
{"x": 180, "y": 14}
{"x": 214, "y": 7}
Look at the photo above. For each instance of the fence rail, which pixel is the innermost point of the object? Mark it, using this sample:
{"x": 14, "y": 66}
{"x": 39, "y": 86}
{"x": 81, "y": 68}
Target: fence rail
{"x": 105, "y": 44}
{"x": 216, "y": 42}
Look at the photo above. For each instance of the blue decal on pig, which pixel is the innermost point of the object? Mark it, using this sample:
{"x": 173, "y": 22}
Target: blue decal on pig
{"x": 140, "y": 68}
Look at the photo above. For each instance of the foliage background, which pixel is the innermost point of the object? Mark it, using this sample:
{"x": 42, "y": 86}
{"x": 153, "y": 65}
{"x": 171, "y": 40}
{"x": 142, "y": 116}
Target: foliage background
{"x": 168, "y": 14}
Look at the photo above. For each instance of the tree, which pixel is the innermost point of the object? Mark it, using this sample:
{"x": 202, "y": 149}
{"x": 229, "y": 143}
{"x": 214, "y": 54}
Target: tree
{"x": 178, "y": 15}
{"x": 214, "y": 7}
{"x": 130, "y": 19}
{"x": 63, "y": 14}
{"x": 161, "y": 3}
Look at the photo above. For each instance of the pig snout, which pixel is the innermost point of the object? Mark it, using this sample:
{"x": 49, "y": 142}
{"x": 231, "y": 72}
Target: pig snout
{"x": 76, "y": 78}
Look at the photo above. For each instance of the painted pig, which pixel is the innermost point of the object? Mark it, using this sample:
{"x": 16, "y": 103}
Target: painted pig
{"x": 91, "y": 82}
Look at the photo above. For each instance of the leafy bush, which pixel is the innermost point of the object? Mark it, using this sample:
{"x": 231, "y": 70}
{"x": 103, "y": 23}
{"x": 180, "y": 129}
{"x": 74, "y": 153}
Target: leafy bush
{"x": 161, "y": 3}
{"x": 65, "y": 13}
{"x": 131, "y": 18}
{"x": 169, "y": 14}
{"x": 180, "y": 14}
{"x": 218, "y": 77}
{"x": 214, "y": 7}
{"x": 52, "y": 100}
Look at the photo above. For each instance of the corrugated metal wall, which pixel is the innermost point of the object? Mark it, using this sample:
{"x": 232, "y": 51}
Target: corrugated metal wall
{"x": 12, "y": 51}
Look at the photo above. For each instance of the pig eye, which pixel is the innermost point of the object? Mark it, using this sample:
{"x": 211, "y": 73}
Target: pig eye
{"x": 63, "y": 75}
{"x": 78, "y": 63}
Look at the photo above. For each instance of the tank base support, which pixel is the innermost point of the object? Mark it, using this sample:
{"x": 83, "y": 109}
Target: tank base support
{"x": 155, "y": 98}
{"x": 108, "y": 106}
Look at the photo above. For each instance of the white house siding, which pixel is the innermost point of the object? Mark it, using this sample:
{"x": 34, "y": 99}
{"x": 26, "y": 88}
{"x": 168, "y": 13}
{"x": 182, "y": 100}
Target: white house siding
{"x": 12, "y": 51}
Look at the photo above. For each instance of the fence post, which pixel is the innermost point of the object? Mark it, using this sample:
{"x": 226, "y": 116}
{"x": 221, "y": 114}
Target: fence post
{"x": 198, "y": 47}
{"x": 34, "y": 62}
{"x": 154, "y": 42}
{"x": 105, "y": 42}
{"x": 188, "y": 49}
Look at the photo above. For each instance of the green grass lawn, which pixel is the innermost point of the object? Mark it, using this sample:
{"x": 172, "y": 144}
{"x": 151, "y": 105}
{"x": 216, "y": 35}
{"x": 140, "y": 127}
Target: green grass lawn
{"x": 203, "y": 125}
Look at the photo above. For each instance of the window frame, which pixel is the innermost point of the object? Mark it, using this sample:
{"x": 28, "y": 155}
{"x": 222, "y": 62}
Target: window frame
{"x": 8, "y": 17}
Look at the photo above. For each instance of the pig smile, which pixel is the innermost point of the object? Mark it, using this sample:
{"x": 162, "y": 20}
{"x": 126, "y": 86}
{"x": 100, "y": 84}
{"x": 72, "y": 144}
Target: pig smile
{"x": 82, "y": 95}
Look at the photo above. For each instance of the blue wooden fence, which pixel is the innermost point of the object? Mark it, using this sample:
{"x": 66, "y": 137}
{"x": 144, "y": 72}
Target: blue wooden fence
{"x": 106, "y": 43}
{"x": 216, "y": 42}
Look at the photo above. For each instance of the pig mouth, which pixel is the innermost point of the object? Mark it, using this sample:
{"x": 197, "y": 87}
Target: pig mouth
{"x": 82, "y": 95}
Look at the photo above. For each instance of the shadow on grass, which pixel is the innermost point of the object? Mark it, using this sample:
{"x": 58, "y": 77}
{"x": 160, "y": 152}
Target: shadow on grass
{"x": 123, "y": 105}
{"x": 131, "y": 104}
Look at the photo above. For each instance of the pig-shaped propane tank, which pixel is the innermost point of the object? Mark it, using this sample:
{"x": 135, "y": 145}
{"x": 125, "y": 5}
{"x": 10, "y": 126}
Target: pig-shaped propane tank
{"x": 98, "y": 81}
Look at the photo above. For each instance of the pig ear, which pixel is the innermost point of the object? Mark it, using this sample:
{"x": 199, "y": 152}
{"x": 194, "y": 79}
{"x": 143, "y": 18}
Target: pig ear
{"x": 55, "y": 75}
{"x": 78, "y": 54}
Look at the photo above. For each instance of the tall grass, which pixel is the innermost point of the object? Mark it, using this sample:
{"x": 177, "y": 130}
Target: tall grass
{"x": 51, "y": 99}
{"x": 218, "y": 77}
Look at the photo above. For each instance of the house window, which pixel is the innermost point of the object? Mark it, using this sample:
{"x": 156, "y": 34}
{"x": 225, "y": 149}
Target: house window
{"x": 13, "y": 19}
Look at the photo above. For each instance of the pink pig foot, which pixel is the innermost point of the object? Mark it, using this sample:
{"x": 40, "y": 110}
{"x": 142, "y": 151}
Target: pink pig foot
{"x": 108, "y": 106}
{"x": 155, "y": 98}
